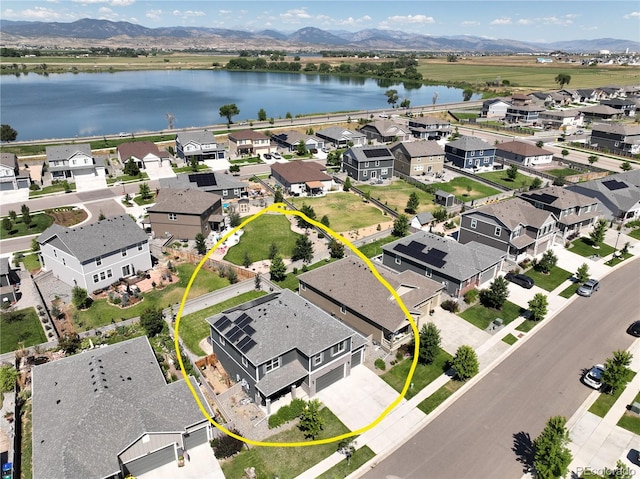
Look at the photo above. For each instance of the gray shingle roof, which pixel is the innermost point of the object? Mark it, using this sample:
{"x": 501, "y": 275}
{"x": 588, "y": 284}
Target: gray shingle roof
{"x": 558, "y": 197}
{"x": 183, "y": 201}
{"x": 617, "y": 128}
{"x": 418, "y": 148}
{"x": 600, "y": 110}
{"x": 358, "y": 153}
{"x": 188, "y": 180}
{"x": 337, "y": 133}
{"x": 201, "y": 137}
{"x": 350, "y": 282}
{"x": 140, "y": 149}
{"x": 624, "y": 192}
{"x": 514, "y": 212}
{"x": 385, "y": 128}
{"x": 470, "y": 143}
{"x": 89, "y": 407}
{"x": 97, "y": 239}
{"x": 64, "y": 152}
{"x": 284, "y": 321}
{"x": 461, "y": 261}
{"x": 247, "y": 135}
{"x": 4, "y": 266}
{"x": 10, "y": 160}
{"x": 424, "y": 217}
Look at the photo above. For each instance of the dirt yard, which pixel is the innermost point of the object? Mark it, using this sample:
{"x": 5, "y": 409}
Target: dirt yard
{"x": 67, "y": 217}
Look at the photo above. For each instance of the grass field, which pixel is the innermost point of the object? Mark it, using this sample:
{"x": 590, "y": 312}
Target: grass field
{"x": 584, "y": 247}
{"x": 503, "y": 179}
{"x": 550, "y": 281}
{"x": 458, "y": 186}
{"x": 342, "y": 469}
{"x": 423, "y": 375}
{"x": 20, "y": 329}
{"x": 335, "y": 205}
{"x": 258, "y": 236}
{"x": 396, "y": 195}
{"x": 39, "y": 223}
{"x": 630, "y": 421}
{"x": 428, "y": 405}
{"x": 375, "y": 247}
{"x": 604, "y": 402}
{"x": 481, "y": 316}
{"x": 194, "y": 327}
{"x": 562, "y": 172}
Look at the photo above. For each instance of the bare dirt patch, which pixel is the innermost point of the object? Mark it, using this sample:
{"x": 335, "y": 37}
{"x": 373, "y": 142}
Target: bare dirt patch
{"x": 68, "y": 217}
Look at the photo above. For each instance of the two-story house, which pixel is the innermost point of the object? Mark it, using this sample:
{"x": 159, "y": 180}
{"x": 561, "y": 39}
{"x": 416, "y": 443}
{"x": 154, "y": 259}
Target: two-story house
{"x": 221, "y": 184}
{"x": 248, "y": 142}
{"x": 199, "y": 146}
{"x": 185, "y": 213}
{"x": 561, "y": 118}
{"x": 290, "y": 140}
{"x": 618, "y": 195}
{"x": 600, "y": 113}
{"x": 616, "y": 137}
{"x": 368, "y": 163}
{"x": 572, "y": 210}
{"x": 342, "y": 137}
{"x": 348, "y": 290}
{"x": 626, "y": 106}
{"x": 305, "y": 178}
{"x": 94, "y": 256}
{"x": 385, "y": 131}
{"x": 527, "y": 113}
{"x": 495, "y": 108}
{"x": 418, "y": 157}
{"x": 280, "y": 342}
{"x": 458, "y": 267}
{"x": 470, "y": 153}
{"x": 514, "y": 226}
{"x": 10, "y": 176}
{"x": 429, "y": 128}
{"x": 144, "y": 153}
{"x": 523, "y": 153}
{"x": 69, "y": 161}
{"x": 8, "y": 281}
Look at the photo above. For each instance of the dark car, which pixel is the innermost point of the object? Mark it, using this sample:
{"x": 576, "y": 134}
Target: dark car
{"x": 520, "y": 279}
{"x": 634, "y": 329}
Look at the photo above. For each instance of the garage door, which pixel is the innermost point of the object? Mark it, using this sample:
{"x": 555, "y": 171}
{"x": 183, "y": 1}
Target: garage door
{"x": 196, "y": 438}
{"x": 356, "y": 358}
{"x": 151, "y": 461}
{"x": 329, "y": 378}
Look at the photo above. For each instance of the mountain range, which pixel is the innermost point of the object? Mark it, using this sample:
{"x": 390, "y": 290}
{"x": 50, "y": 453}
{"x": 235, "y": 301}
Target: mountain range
{"x": 91, "y": 32}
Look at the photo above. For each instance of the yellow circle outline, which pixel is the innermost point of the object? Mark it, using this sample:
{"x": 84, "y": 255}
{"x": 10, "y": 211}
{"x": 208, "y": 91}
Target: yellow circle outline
{"x": 282, "y": 209}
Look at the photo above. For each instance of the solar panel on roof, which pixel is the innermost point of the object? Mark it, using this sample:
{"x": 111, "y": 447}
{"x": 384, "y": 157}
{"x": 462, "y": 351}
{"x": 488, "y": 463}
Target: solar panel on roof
{"x": 243, "y": 320}
{"x": 234, "y": 333}
{"x": 613, "y": 185}
{"x": 380, "y": 152}
{"x": 248, "y": 345}
{"x": 203, "y": 179}
{"x": 249, "y": 330}
{"x": 433, "y": 257}
{"x": 243, "y": 342}
{"x": 222, "y": 323}
{"x": 543, "y": 197}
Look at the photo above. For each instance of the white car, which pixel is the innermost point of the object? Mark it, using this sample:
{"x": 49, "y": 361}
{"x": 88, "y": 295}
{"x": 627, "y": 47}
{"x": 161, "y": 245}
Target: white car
{"x": 593, "y": 377}
{"x": 276, "y": 156}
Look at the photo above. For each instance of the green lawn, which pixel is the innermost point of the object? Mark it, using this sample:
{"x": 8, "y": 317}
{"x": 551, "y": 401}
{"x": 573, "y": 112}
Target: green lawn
{"x": 631, "y": 421}
{"x": 635, "y": 234}
{"x": 438, "y": 397}
{"x": 286, "y": 462}
{"x": 562, "y": 172}
{"x": 604, "y": 402}
{"x": 189, "y": 169}
{"x": 423, "y": 375}
{"x": 194, "y": 327}
{"x": 128, "y": 178}
{"x": 31, "y": 262}
{"x": 503, "y": 179}
{"x": 101, "y": 313}
{"x": 584, "y": 247}
{"x": 255, "y": 160}
{"x": 39, "y": 223}
{"x": 615, "y": 260}
{"x": 458, "y": 186}
{"x": 396, "y": 195}
{"x": 140, "y": 202}
{"x": 527, "y": 325}
{"x": 342, "y": 470}
{"x": 550, "y": 281}
{"x": 20, "y": 329}
{"x": 375, "y": 247}
{"x": 569, "y": 290}
{"x": 55, "y": 188}
{"x": 346, "y": 211}
{"x": 510, "y": 339}
{"x": 481, "y": 316}
{"x": 258, "y": 236}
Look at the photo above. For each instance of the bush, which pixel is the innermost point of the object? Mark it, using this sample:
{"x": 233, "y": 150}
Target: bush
{"x": 450, "y": 305}
{"x": 380, "y": 364}
{"x": 287, "y": 413}
{"x": 226, "y": 446}
{"x": 471, "y": 296}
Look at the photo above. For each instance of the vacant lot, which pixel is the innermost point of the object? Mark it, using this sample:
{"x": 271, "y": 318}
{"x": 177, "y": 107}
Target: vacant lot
{"x": 466, "y": 189}
{"x": 503, "y": 179}
{"x": 20, "y": 329}
{"x": 346, "y": 211}
{"x": 396, "y": 195}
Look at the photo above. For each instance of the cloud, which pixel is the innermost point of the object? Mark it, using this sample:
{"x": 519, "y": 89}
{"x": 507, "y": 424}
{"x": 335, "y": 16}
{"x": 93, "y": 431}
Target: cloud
{"x": 564, "y": 21}
{"x": 347, "y": 21}
{"x": 37, "y": 13}
{"x": 154, "y": 14}
{"x": 525, "y": 21}
{"x": 295, "y": 15}
{"x": 224, "y": 12}
{"x": 632, "y": 15}
{"x": 501, "y": 21}
{"x": 113, "y": 3}
{"x": 470, "y": 23}
{"x": 188, "y": 13}
{"x": 403, "y": 19}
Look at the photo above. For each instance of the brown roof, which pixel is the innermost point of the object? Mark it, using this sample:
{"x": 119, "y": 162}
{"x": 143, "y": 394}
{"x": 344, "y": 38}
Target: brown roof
{"x": 418, "y": 148}
{"x": 600, "y": 110}
{"x": 351, "y": 283}
{"x": 184, "y": 201}
{"x": 139, "y": 149}
{"x": 522, "y": 148}
{"x": 10, "y": 160}
{"x": 247, "y": 135}
{"x": 514, "y": 212}
{"x": 299, "y": 172}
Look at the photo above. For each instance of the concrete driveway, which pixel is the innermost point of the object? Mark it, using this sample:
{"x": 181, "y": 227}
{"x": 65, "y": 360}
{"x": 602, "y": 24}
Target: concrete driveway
{"x": 201, "y": 464}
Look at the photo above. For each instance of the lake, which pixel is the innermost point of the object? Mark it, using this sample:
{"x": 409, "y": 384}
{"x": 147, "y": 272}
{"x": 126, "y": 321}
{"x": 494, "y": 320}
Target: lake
{"x": 86, "y": 104}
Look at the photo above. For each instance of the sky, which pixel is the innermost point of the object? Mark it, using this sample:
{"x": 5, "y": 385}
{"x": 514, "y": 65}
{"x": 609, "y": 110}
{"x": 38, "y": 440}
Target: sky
{"x": 525, "y": 20}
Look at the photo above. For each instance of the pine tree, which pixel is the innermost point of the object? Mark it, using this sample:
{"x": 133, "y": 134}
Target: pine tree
{"x": 429, "y": 343}
{"x": 311, "y": 423}
{"x": 496, "y": 295}
{"x": 465, "y": 363}
{"x": 538, "y": 306}
{"x": 201, "y": 246}
{"x": 303, "y": 249}
{"x": 277, "y": 270}
{"x": 412, "y": 203}
{"x": 552, "y": 456}
{"x": 273, "y": 251}
{"x": 336, "y": 249}
{"x": 401, "y": 226}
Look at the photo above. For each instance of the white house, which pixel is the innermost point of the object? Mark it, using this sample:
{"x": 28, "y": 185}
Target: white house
{"x": 524, "y": 153}
{"x": 10, "y": 176}
{"x": 302, "y": 178}
{"x": 69, "y": 161}
{"x": 96, "y": 255}
{"x": 199, "y": 145}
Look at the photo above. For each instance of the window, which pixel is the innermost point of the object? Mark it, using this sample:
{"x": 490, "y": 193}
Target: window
{"x": 244, "y": 361}
{"x": 428, "y": 273}
{"x": 366, "y": 164}
{"x": 343, "y": 309}
{"x": 139, "y": 246}
{"x": 364, "y": 174}
{"x": 398, "y": 260}
{"x": 473, "y": 153}
{"x": 95, "y": 278}
{"x": 498, "y": 231}
{"x": 98, "y": 261}
{"x": 487, "y": 160}
{"x": 64, "y": 262}
{"x": 474, "y": 223}
{"x": 124, "y": 252}
{"x": 173, "y": 217}
{"x": 222, "y": 341}
{"x": 418, "y": 168}
{"x": 337, "y": 349}
{"x": 109, "y": 273}
{"x": 103, "y": 275}
{"x": 55, "y": 253}
{"x": 317, "y": 359}
{"x": 302, "y": 286}
{"x": 271, "y": 365}
{"x": 481, "y": 152}
{"x": 377, "y": 163}
{"x": 126, "y": 270}
{"x": 236, "y": 191}
{"x": 225, "y": 193}
{"x": 384, "y": 171}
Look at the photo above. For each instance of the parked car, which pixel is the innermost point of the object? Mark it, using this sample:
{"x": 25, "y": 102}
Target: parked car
{"x": 593, "y": 377}
{"x": 634, "y": 329}
{"x": 588, "y": 288}
{"x": 520, "y": 279}
{"x": 267, "y": 156}
{"x": 276, "y": 156}
{"x": 325, "y": 150}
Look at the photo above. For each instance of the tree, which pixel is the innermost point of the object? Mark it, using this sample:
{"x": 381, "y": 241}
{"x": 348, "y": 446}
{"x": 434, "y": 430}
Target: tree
{"x": 152, "y": 321}
{"x": 193, "y": 163}
{"x": 273, "y": 250}
{"x": 551, "y": 454}
{"x": 70, "y": 343}
{"x": 593, "y": 159}
{"x": 308, "y": 211}
{"x": 26, "y": 217}
{"x": 232, "y": 275}
{"x": 625, "y": 166}
{"x": 496, "y": 295}
{"x": 101, "y": 216}
{"x": 325, "y": 221}
{"x": 597, "y": 234}
{"x": 79, "y": 297}
{"x": 562, "y": 79}
{"x": 8, "y": 378}
{"x": 564, "y": 153}
{"x": 412, "y": 203}
{"x": 392, "y": 97}
{"x": 616, "y": 371}
{"x": 538, "y": 307}
{"x": 24, "y": 209}
{"x": 336, "y": 249}
{"x": 467, "y": 93}
{"x": 246, "y": 262}
{"x": 303, "y": 249}
{"x": 429, "y": 343}
{"x": 405, "y": 103}
{"x": 547, "y": 262}
{"x": 465, "y": 363}
{"x": 278, "y": 197}
{"x": 539, "y": 143}
{"x": 144, "y": 191}
{"x": 262, "y": 115}
{"x": 301, "y": 148}
{"x": 13, "y": 215}
{"x": 131, "y": 168}
{"x": 536, "y": 183}
{"x": 228, "y": 112}
{"x": 7, "y": 224}
{"x": 401, "y": 226}
{"x": 234, "y": 168}
{"x": 311, "y": 423}
{"x": 277, "y": 270}
{"x": 347, "y": 184}
{"x": 512, "y": 172}
{"x": 583, "y": 273}
{"x": 7, "y": 133}
{"x": 257, "y": 281}
{"x": 234, "y": 219}
{"x": 201, "y": 246}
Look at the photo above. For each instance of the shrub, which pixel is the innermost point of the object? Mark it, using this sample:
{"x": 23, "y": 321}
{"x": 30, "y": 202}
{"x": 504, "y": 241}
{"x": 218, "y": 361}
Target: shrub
{"x": 380, "y": 364}
{"x": 450, "y": 305}
{"x": 226, "y": 446}
{"x": 287, "y": 413}
{"x": 275, "y": 420}
{"x": 399, "y": 355}
{"x": 471, "y": 296}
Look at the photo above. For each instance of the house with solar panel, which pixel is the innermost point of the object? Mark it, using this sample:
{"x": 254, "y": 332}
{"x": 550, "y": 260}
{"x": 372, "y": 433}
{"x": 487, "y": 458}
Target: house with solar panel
{"x": 199, "y": 146}
{"x": 368, "y": 163}
{"x": 282, "y": 343}
{"x": 470, "y": 153}
{"x": 458, "y": 267}
{"x": 618, "y": 195}
{"x": 225, "y": 186}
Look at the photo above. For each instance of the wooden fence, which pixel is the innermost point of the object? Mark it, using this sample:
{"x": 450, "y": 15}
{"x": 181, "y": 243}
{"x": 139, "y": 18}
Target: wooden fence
{"x": 211, "y": 264}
